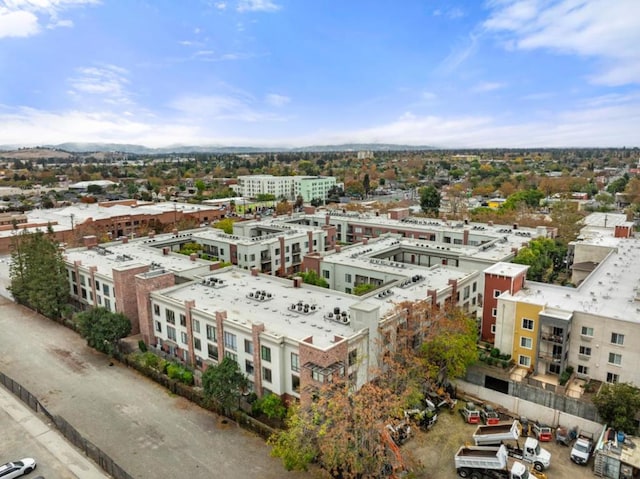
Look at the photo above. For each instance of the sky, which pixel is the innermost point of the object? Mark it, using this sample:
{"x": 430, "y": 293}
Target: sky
{"x": 291, "y": 73}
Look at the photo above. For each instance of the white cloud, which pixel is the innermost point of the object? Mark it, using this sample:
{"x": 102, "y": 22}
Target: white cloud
{"x": 257, "y": 6}
{"x": 488, "y": 86}
{"x": 460, "y": 53}
{"x": 276, "y": 100}
{"x": 221, "y": 6}
{"x": 17, "y": 23}
{"x": 221, "y": 107}
{"x": 605, "y": 30}
{"x": 106, "y": 82}
{"x": 23, "y": 18}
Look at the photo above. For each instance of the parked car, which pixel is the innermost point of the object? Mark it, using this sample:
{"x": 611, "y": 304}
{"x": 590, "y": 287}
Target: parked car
{"x": 470, "y": 413}
{"x": 10, "y": 470}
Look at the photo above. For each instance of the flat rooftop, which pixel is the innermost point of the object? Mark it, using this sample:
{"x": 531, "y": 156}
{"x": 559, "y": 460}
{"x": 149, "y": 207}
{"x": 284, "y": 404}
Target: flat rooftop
{"x": 274, "y": 312}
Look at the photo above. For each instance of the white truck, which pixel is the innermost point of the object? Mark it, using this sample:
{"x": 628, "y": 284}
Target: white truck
{"x": 582, "y": 448}
{"x": 487, "y": 462}
{"x": 508, "y": 434}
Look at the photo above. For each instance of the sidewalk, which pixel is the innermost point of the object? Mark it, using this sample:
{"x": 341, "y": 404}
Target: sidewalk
{"x": 77, "y": 464}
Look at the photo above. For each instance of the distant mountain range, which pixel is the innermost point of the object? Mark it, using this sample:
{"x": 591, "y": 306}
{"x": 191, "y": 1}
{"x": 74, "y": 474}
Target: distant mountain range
{"x": 182, "y": 149}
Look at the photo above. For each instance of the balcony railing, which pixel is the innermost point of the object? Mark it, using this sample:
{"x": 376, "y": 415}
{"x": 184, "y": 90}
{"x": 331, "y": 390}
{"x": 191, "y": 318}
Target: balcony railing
{"x": 553, "y": 338}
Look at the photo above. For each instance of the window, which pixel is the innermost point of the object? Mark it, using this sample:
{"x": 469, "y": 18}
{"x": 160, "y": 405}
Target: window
{"x": 183, "y": 337}
{"x": 474, "y": 287}
{"x": 248, "y": 366}
{"x": 347, "y": 278}
{"x": 466, "y": 293}
{"x": 212, "y": 350}
{"x": 105, "y": 290}
{"x": 586, "y": 331}
{"x": 248, "y": 346}
{"x": 183, "y": 320}
{"x": 171, "y": 333}
{"x": 582, "y": 369}
{"x": 197, "y": 344}
{"x": 230, "y": 341}
{"x": 107, "y": 304}
{"x": 325, "y": 274}
{"x": 617, "y": 338}
{"x": 527, "y": 324}
{"x": 295, "y": 383}
{"x": 230, "y": 355}
{"x": 265, "y": 353}
{"x": 615, "y": 359}
{"x": 584, "y": 351}
{"x": 156, "y": 309}
{"x": 158, "y": 326}
{"x": 612, "y": 378}
{"x": 524, "y": 361}
{"x": 97, "y": 285}
{"x": 171, "y": 316}
{"x": 211, "y": 333}
{"x": 526, "y": 343}
{"x": 353, "y": 357}
{"x": 493, "y": 329}
{"x": 195, "y": 324}
{"x": 494, "y": 312}
{"x": 266, "y": 374}
{"x": 295, "y": 362}
{"x": 82, "y": 280}
{"x": 496, "y": 293}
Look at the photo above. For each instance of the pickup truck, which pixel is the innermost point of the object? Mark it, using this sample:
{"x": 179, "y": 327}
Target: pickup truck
{"x": 491, "y": 462}
{"x": 582, "y": 448}
{"x": 470, "y": 413}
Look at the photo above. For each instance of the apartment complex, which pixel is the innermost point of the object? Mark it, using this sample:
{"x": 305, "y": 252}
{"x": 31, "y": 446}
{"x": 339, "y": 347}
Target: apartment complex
{"x": 288, "y": 187}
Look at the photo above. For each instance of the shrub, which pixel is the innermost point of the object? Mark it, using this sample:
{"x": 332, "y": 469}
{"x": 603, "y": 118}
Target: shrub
{"x": 142, "y": 346}
{"x": 271, "y": 405}
{"x": 179, "y": 373}
{"x": 495, "y": 352}
{"x": 153, "y": 361}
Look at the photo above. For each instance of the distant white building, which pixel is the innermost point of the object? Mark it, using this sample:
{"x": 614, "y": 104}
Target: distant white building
{"x": 288, "y": 187}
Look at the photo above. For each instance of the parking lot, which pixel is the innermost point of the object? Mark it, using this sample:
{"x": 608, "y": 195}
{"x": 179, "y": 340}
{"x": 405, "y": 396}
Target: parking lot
{"x": 434, "y": 450}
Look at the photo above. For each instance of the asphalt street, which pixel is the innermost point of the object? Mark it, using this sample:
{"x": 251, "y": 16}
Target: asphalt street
{"x": 146, "y": 430}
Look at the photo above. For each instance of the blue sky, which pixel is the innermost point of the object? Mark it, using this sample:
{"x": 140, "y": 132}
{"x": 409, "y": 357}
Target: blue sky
{"x": 451, "y": 74}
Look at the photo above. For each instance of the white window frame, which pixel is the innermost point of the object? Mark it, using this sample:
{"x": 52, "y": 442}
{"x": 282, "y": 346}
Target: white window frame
{"x": 524, "y": 360}
{"x": 525, "y": 339}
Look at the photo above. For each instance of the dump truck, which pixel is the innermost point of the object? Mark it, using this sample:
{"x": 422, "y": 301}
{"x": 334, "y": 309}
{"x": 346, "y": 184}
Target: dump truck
{"x": 490, "y": 462}
{"x": 507, "y": 434}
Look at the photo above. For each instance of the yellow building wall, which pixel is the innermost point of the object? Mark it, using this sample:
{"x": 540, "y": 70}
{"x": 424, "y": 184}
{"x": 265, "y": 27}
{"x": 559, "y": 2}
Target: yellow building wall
{"x": 528, "y": 311}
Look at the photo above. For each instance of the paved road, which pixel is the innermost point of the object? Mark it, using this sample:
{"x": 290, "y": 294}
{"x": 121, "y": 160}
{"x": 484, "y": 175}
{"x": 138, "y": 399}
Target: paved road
{"x": 149, "y": 432}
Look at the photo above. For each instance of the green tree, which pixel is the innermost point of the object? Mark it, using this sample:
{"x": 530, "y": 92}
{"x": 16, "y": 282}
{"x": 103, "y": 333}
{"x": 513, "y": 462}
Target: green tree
{"x": 618, "y": 185}
{"x": 366, "y": 184}
{"x": 545, "y": 258}
{"x": 200, "y": 186}
{"x": 94, "y": 189}
{"x": 311, "y": 277}
{"x": 271, "y": 405}
{"x": 618, "y": 405}
{"x": 296, "y": 444}
{"x": 529, "y": 197}
{"x": 225, "y": 224}
{"x": 430, "y": 200}
{"x": 265, "y": 197}
{"x": 223, "y": 384}
{"x": 567, "y": 219}
{"x": 103, "y": 329}
{"x": 38, "y": 273}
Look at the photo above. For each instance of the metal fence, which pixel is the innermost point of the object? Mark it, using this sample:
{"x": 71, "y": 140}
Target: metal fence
{"x": 92, "y": 451}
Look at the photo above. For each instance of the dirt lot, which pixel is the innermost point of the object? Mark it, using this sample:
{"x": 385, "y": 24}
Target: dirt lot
{"x": 433, "y": 451}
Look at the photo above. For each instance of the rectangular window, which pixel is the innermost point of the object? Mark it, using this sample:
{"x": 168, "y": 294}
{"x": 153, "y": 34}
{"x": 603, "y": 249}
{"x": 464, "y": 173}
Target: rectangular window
{"x": 248, "y": 366}
{"x": 524, "y": 361}
{"x": 183, "y": 337}
{"x": 612, "y": 378}
{"x": 195, "y": 324}
{"x": 615, "y": 359}
{"x": 97, "y": 286}
{"x": 494, "y": 312}
{"x": 496, "y": 293}
{"x": 171, "y": 333}
{"x": 230, "y": 341}
{"x": 248, "y": 346}
{"x": 295, "y": 362}
{"x": 197, "y": 344}
{"x": 587, "y": 331}
{"x": 171, "y": 316}
{"x": 493, "y": 329}
{"x": 325, "y": 274}
{"x": 266, "y": 374}
{"x": 295, "y": 383}
{"x": 183, "y": 320}
{"x": 466, "y": 293}
{"x": 212, "y": 351}
{"x": 474, "y": 287}
{"x": 156, "y": 309}
{"x": 265, "y": 353}
{"x": 582, "y": 369}
{"x": 212, "y": 333}
{"x": 107, "y": 304}
{"x": 158, "y": 326}
{"x": 105, "y": 289}
{"x": 82, "y": 280}
{"x": 527, "y": 324}
{"x": 353, "y": 357}
{"x": 617, "y": 338}
{"x": 230, "y": 355}
{"x": 584, "y": 351}
{"x": 347, "y": 278}
{"x": 526, "y": 343}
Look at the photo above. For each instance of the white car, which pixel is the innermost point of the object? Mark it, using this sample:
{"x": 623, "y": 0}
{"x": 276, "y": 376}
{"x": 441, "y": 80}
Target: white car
{"x": 17, "y": 468}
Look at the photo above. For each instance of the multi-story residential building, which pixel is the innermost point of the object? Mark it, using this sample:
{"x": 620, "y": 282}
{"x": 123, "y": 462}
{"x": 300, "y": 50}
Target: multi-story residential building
{"x": 287, "y": 187}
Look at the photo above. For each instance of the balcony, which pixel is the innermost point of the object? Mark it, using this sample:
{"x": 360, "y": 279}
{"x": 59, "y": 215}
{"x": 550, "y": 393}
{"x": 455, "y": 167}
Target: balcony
{"x": 552, "y": 338}
{"x": 265, "y": 258}
{"x": 553, "y": 358}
